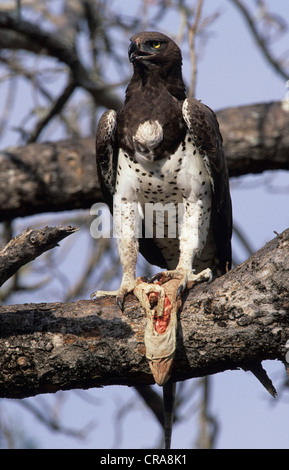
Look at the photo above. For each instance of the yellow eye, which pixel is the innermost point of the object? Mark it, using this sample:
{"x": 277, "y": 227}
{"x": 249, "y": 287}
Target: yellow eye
{"x": 156, "y": 44}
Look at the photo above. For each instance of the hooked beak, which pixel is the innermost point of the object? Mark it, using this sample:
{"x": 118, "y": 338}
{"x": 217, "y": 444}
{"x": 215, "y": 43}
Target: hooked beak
{"x": 135, "y": 53}
{"x": 132, "y": 51}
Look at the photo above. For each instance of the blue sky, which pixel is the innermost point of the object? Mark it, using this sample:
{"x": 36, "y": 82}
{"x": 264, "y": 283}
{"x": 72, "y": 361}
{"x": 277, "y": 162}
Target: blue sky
{"x": 231, "y": 72}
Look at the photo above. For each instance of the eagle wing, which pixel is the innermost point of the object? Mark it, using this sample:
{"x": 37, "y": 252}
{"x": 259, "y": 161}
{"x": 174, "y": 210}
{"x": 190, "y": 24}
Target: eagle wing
{"x": 203, "y": 125}
{"x": 107, "y": 154}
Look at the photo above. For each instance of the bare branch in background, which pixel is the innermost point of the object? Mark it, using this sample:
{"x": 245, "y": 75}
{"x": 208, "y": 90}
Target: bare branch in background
{"x": 262, "y": 39}
{"x": 193, "y": 30}
{"x": 27, "y": 246}
{"x": 29, "y": 36}
{"x": 54, "y": 111}
{"x": 208, "y": 424}
{"x": 49, "y": 417}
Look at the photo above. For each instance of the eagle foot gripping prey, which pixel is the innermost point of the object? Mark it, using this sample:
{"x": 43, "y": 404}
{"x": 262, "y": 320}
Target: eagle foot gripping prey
{"x": 161, "y": 301}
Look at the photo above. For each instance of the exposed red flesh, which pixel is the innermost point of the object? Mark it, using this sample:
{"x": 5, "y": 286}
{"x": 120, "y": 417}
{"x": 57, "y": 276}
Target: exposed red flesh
{"x": 160, "y": 323}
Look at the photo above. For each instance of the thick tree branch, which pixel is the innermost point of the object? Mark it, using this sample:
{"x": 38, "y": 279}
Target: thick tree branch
{"x": 27, "y": 246}
{"x": 236, "y": 321}
{"x": 49, "y": 177}
{"x": 62, "y": 175}
{"x": 256, "y": 137}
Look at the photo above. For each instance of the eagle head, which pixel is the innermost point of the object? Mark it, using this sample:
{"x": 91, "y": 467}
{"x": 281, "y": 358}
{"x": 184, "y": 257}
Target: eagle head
{"x": 152, "y": 49}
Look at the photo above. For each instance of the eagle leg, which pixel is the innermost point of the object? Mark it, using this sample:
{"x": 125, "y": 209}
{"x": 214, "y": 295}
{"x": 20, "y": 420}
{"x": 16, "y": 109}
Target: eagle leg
{"x": 204, "y": 276}
{"x": 126, "y": 220}
{"x": 187, "y": 278}
{"x": 119, "y": 294}
{"x": 125, "y": 288}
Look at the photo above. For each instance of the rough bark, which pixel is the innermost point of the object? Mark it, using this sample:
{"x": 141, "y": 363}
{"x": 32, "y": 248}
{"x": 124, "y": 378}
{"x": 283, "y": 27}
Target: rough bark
{"x": 256, "y": 137}
{"x": 49, "y": 177}
{"x": 27, "y": 246}
{"x": 236, "y": 321}
{"x": 62, "y": 175}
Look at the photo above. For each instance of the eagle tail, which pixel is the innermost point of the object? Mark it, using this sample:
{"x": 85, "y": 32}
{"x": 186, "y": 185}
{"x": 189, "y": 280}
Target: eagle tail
{"x": 169, "y": 390}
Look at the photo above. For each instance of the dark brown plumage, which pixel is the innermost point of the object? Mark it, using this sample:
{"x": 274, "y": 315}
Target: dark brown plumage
{"x": 156, "y": 92}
